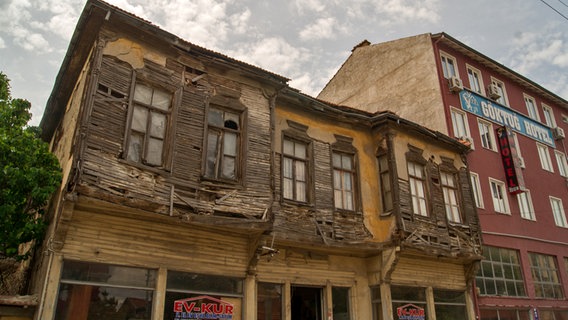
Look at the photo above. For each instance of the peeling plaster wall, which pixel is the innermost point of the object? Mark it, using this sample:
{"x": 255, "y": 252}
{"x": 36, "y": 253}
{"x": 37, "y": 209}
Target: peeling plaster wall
{"x": 133, "y": 53}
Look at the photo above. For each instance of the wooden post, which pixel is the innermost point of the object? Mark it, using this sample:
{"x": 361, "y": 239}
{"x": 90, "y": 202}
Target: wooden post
{"x": 159, "y": 294}
{"x": 430, "y": 303}
{"x": 386, "y": 301}
{"x": 250, "y": 299}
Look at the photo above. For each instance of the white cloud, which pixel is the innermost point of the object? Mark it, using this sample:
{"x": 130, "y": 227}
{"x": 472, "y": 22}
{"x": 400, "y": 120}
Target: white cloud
{"x": 320, "y": 29}
{"x": 303, "y": 6}
{"x": 239, "y": 22}
{"x": 2, "y": 43}
{"x": 532, "y": 51}
{"x": 402, "y": 11}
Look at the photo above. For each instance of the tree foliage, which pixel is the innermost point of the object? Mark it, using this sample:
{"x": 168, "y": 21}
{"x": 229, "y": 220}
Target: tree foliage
{"x": 29, "y": 174}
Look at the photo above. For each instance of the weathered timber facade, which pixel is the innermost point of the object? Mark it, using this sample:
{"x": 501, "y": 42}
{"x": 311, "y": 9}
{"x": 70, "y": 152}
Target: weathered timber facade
{"x": 200, "y": 186}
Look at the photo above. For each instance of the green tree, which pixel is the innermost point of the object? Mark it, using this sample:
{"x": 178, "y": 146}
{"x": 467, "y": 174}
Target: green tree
{"x": 29, "y": 174}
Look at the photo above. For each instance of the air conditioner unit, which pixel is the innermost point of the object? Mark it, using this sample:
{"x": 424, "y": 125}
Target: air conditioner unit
{"x": 558, "y": 133}
{"x": 456, "y": 84}
{"x": 493, "y": 91}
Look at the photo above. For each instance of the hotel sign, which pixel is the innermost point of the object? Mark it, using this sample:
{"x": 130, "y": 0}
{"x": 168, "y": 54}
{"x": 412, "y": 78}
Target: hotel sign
{"x": 487, "y": 109}
{"x": 510, "y": 157}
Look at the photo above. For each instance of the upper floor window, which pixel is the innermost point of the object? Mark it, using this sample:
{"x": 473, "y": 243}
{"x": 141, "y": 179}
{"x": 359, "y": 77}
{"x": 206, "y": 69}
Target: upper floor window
{"x": 147, "y": 130}
{"x": 343, "y": 180}
{"x": 501, "y": 91}
{"x": 295, "y": 170}
{"x": 487, "y": 135}
{"x": 531, "y": 108}
{"x": 558, "y": 212}
{"x": 223, "y": 145}
{"x": 548, "y": 116}
{"x": 385, "y": 183}
{"x": 475, "y": 80}
{"x": 544, "y": 156}
{"x": 525, "y": 205}
{"x": 417, "y": 180}
{"x": 561, "y": 161}
{"x": 499, "y": 195}
{"x": 459, "y": 124}
{"x": 545, "y": 276}
{"x": 450, "y": 190}
{"x": 449, "y": 66}
{"x": 500, "y": 273}
{"x": 478, "y": 196}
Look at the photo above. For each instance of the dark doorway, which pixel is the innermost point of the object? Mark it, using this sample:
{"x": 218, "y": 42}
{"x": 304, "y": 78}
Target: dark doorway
{"x": 306, "y": 303}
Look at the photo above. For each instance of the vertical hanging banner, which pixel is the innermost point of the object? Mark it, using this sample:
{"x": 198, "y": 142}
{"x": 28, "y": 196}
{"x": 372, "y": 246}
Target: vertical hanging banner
{"x": 511, "y": 161}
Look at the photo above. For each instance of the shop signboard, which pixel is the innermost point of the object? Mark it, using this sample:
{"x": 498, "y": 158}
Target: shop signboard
{"x": 202, "y": 307}
{"x": 410, "y": 312}
{"x": 494, "y": 112}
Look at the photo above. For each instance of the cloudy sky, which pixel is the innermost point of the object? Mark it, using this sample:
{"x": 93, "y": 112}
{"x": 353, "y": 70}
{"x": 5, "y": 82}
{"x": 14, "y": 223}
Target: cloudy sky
{"x": 304, "y": 40}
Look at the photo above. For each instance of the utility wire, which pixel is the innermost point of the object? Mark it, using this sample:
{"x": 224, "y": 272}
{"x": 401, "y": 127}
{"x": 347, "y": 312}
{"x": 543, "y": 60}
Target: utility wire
{"x": 563, "y": 3}
{"x": 551, "y": 7}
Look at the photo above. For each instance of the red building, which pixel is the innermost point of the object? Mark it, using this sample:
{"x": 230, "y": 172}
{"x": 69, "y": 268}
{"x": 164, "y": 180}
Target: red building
{"x": 516, "y": 130}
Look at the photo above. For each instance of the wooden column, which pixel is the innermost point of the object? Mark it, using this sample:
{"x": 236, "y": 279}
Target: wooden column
{"x": 430, "y": 303}
{"x": 249, "y": 301}
{"x": 160, "y": 294}
{"x": 386, "y": 301}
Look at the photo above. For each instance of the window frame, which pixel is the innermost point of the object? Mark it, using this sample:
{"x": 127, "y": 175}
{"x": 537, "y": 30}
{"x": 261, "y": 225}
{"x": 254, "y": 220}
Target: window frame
{"x": 128, "y": 131}
{"x": 385, "y": 183}
{"x": 504, "y": 100}
{"x": 240, "y": 141}
{"x": 544, "y": 156}
{"x": 549, "y": 270}
{"x": 451, "y": 193}
{"x": 307, "y": 169}
{"x": 532, "y": 110}
{"x": 487, "y": 135}
{"x": 445, "y": 61}
{"x": 352, "y": 173}
{"x": 495, "y": 261}
{"x": 474, "y": 74}
{"x": 526, "y": 208}
{"x": 558, "y": 213}
{"x": 562, "y": 163}
{"x": 477, "y": 192}
{"x": 504, "y": 207}
{"x": 549, "y": 118}
{"x": 414, "y": 181}
{"x": 461, "y": 117}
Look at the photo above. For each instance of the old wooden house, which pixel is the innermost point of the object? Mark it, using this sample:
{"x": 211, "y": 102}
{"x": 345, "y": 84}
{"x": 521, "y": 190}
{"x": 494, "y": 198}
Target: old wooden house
{"x": 198, "y": 186}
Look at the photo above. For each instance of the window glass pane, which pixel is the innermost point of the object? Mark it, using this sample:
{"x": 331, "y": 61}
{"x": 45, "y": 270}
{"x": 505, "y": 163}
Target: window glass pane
{"x": 288, "y": 147}
{"x": 108, "y": 274}
{"x": 158, "y": 125}
{"x": 340, "y": 303}
{"x": 336, "y": 160}
{"x": 211, "y": 154}
{"x": 143, "y": 94}
{"x": 230, "y": 144}
{"x": 287, "y": 167}
{"x": 179, "y": 306}
{"x": 204, "y": 283}
{"x": 154, "y": 154}
{"x": 346, "y": 162}
{"x": 288, "y": 188}
{"x": 300, "y": 171}
{"x": 215, "y": 117}
{"x": 231, "y": 120}
{"x": 139, "y": 119}
{"x": 269, "y": 302}
{"x": 300, "y": 191}
{"x": 135, "y": 147}
{"x": 300, "y": 150}
{"x": 229, "y": 167}
{"x": 161, "y": 100}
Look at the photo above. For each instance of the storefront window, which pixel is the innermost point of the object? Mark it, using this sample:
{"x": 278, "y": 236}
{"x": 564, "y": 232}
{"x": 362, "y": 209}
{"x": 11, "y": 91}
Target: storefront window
{"x": 101, "y": 291}
{"x": 504, "y": 314}
{"x": 408, "y": 301}
{"x": 197, "y": 296}
{"x": 449, "y": 304}
{"x": 269, "y": 301}
{"x": 340, "y": 303}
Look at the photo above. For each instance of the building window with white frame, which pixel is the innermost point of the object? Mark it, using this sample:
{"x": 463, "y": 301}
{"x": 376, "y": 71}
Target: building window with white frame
{"x": 476, "y": 187}
{"x": 417, "y": 180}
{"x": 499, "y": 196}
{"x": 558, "y": 212}
{"x": 525, "y": 205}
{"x": 487, "y": 135}
{"x": 449, "y": 66}
{"x": 475, "y": 80}
{"x": 532, "y": 111}
{"x": 459, "y": 124}
{"x": 500, "y": 85}
{"x": 544, "y": 156}
{"x": 547, "y": 283}
{"x": 450, "y": 191}
{"x": 548, "y": 116}
{"x": 562, "y": 164}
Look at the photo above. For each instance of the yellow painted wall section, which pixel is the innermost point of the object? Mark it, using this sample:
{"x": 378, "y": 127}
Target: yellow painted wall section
{"x": 367, "y": 170}
{"x": 133, "y": 53}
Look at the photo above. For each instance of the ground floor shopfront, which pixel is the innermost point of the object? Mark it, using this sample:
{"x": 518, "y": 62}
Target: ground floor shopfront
{"x": 114, "y": 266}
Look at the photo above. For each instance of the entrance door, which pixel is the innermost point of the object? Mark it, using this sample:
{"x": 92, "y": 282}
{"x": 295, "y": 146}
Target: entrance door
{"x": 306, "y": 303}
